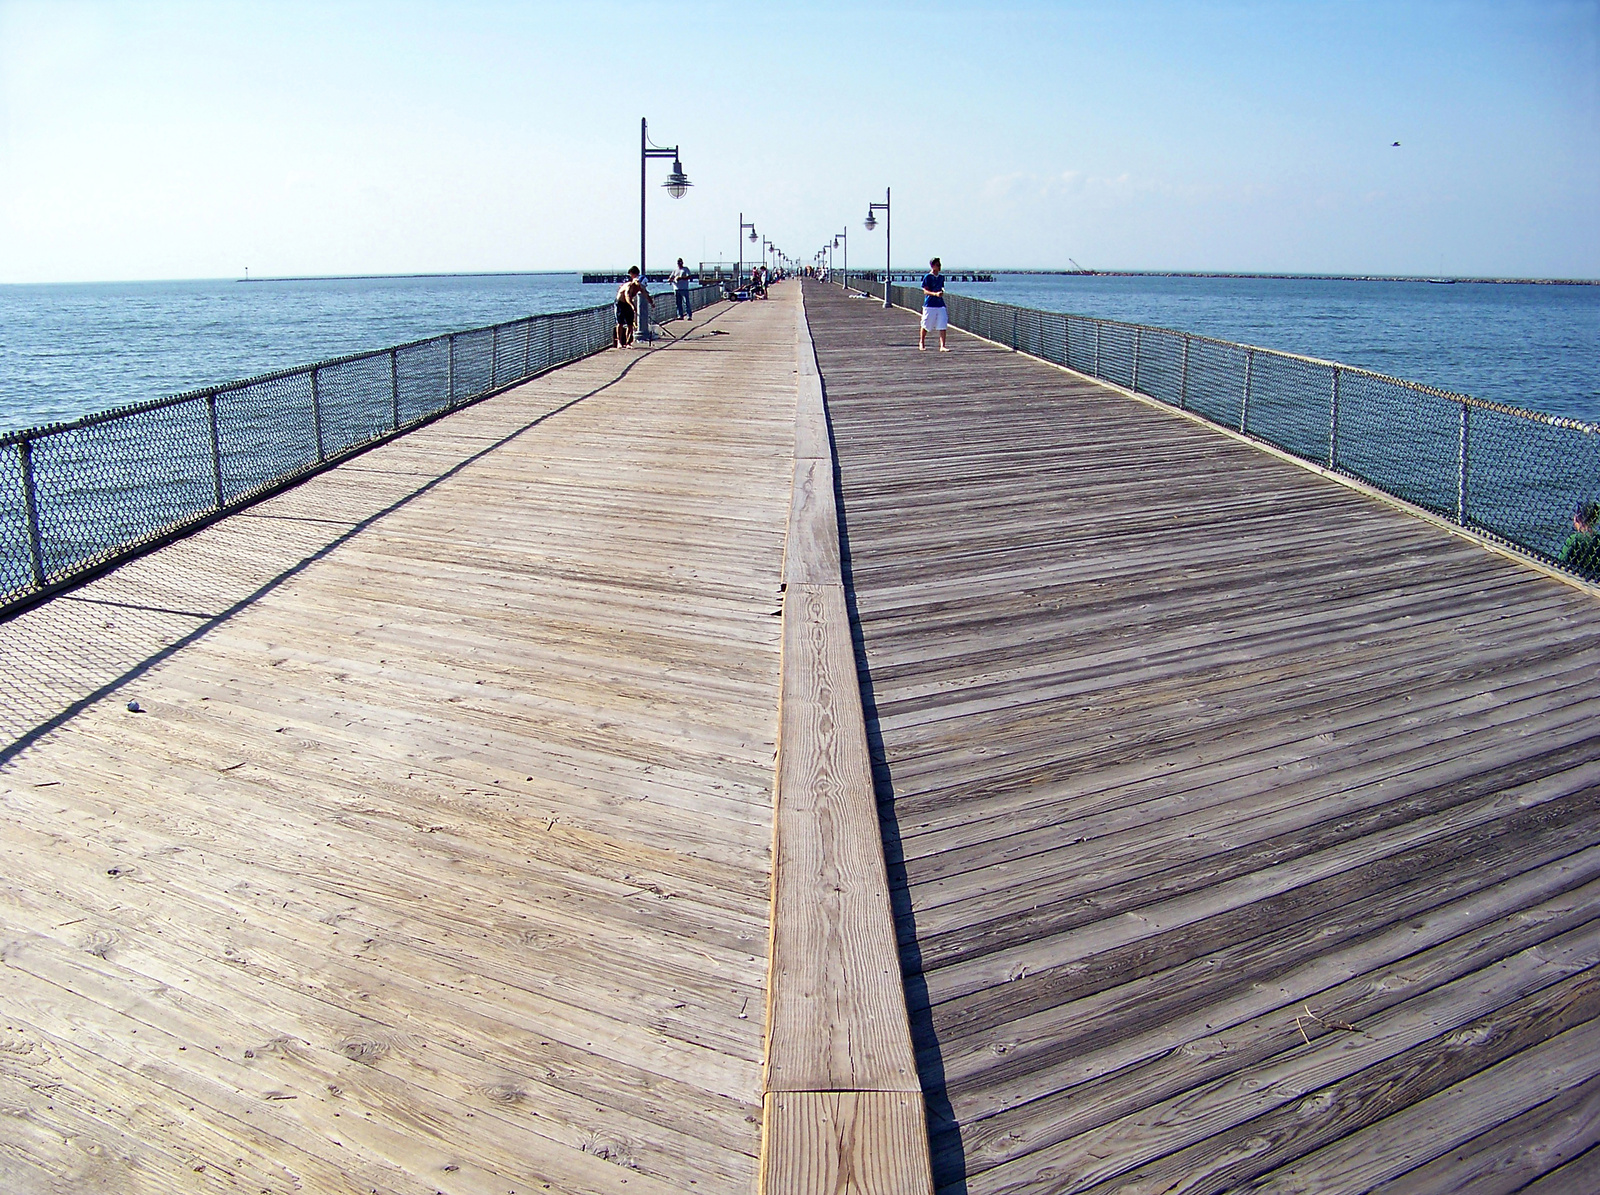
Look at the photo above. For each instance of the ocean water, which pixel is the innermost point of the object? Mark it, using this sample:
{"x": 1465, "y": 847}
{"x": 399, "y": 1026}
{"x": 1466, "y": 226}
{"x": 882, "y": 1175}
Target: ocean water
{"x": 1531, "y": 346}
{"x": 71, "y": 350}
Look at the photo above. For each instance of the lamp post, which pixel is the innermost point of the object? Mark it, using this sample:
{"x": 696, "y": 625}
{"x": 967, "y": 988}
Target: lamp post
{"x": 870, "y": 224}
{"x": 738, "y": 270}
{"x": 677, "y": 184}
{"x": 844, "y": 234}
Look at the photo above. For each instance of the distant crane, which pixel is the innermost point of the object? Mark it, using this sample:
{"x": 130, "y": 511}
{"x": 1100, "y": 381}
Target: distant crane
{"x": 1079, "y": 268}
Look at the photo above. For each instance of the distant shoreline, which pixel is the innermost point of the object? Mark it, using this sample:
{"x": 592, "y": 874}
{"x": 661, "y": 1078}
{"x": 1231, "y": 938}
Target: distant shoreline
{"x": 374, "y": 277}
{"x": 1443, "y": 278}
{"x": 1011, "y": 272}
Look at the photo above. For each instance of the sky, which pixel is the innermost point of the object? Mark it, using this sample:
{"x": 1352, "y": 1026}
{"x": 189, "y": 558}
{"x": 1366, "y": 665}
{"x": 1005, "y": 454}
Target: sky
{"x": 142, "y": 139}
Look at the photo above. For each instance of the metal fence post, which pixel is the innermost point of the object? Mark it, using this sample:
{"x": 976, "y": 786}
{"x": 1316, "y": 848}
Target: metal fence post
{"x": 216, "y": 450}
{"x": 1013, "y": 329}
{"x": 527, "y": 346}
{"x": 494, "y": 356}
{"x": 1183, "y": 383}
{"x": 1244, "y": 405}
{"x": 1138, "y": 335}
{"x": 1462, "y": 444}
{"x": 1098, "y": 328}
{"x": 316, "y": 411}
{"x": 30, "y": 503}
{"x": 1333, "y": 423}
{"x": 394, "y": 385}
{"x": 450, "y": 374}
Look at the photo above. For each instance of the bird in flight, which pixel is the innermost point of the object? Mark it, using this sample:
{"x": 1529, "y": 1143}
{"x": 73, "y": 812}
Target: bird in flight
{"x": 1394, "y": 144}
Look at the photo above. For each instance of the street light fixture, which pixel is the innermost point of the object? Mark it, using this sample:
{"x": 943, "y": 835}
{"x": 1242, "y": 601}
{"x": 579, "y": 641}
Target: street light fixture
{"x": 871, "y": 223}
{"x": 738, "y": 240}
{"x": 677, "y": 184}
{"x": 844, "y": 234}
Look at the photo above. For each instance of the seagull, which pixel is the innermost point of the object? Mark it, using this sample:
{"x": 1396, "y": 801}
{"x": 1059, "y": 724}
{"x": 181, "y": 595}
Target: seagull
{"x": 1394, "y": 145}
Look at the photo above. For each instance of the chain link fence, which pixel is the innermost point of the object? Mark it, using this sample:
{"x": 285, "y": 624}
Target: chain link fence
{"x": 1507, "y": 473}
{"x": 78, "y": 496}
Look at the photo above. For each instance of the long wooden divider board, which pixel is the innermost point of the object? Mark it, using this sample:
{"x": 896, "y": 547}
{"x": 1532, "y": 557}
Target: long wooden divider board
{"x": 842, "y": 1099}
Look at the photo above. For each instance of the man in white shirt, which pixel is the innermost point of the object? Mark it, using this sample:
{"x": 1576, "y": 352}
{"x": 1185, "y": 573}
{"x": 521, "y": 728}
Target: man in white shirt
{"x": 681, "y": 278}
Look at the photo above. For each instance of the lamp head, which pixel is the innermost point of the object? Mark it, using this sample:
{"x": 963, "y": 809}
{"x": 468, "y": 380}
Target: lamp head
{"x": 753, "y": 237}
{"x": 871, "y": 221}
{"x": 677, "y": 182}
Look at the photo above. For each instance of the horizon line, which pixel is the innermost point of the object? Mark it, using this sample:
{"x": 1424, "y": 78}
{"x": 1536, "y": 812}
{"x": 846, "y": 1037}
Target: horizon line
{"x": 1034, "y": 271}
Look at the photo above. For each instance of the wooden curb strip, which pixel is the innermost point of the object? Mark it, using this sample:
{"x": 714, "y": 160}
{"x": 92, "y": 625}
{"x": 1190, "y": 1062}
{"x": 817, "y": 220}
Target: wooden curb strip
{"x": 842, "y": 1103}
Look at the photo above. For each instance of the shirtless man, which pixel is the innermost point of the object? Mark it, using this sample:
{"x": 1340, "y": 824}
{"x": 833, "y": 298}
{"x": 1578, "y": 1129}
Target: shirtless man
{"x": 627, "y": 309}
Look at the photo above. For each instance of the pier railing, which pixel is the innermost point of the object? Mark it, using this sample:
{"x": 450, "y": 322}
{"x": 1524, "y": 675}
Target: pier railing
{"x": 78, "y": 496}
{"x": 1508, "y": 473}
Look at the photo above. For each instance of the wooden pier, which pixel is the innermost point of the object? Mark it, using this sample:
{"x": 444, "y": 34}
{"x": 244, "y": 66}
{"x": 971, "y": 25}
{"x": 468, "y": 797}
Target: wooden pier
{"x": 438, "y": 857}
{"x": 1245, "y": 830}
{"x": 785, "y": 760}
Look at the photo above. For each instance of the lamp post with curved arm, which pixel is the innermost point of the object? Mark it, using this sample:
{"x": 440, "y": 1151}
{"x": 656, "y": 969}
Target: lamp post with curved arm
{"x": 738, "y": 270}
{"x": 870, "y": 224}
{"x": 676, "y": 185}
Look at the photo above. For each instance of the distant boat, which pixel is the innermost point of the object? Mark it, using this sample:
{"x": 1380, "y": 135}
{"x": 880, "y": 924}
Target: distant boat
{"x": 1442, "y": 281}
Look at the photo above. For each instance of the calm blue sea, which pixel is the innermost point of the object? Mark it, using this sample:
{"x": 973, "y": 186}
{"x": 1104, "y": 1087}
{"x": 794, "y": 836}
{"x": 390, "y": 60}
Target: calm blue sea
{"x": 70, "y": 350}
{"x": 1529, "y": 346}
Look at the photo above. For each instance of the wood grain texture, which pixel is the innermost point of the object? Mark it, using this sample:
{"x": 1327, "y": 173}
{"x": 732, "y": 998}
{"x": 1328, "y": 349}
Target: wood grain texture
{"x": 846, "y": 1143}
{"x": 437, "y": 859}
{"x": 1179, "y": 748}
{"x": 838, "y": 1015}
{"x": 812, "y": 557}
{"x": 844, "y": 1103}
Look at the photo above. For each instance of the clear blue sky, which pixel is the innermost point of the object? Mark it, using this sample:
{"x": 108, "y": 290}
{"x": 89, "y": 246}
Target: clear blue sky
{"x": 173, "y": 140}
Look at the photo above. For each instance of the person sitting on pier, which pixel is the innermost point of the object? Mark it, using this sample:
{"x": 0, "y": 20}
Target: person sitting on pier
{"x": 935, "y": 316}
{"x": 627, "y": 311}
{"x": 1582, "y": 551}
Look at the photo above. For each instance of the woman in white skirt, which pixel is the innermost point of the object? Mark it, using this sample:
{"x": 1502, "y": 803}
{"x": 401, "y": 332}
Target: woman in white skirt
{"x": 935, "y": 317}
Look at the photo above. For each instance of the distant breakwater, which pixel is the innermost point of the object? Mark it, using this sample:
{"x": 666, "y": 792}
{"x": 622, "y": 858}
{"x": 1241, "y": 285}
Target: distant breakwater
{"x": 1301, "y": 277}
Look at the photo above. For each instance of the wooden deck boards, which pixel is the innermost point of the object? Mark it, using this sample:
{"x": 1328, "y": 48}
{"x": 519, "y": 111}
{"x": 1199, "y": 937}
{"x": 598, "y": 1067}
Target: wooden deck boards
{"x": 844, "y": 1109}
{"x": 1176, "y": 744}
{"x": 438, "y": 859}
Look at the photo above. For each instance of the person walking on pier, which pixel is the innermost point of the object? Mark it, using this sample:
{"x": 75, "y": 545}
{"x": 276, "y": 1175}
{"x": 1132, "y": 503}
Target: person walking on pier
{"x": 627, "y": 308}
{"x": 935, "y": 317}
{"x": 680, "y": 290}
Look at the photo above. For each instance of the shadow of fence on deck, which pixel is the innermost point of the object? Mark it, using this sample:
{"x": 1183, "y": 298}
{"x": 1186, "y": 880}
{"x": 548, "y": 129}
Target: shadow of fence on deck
{"x": 57, "y": 659}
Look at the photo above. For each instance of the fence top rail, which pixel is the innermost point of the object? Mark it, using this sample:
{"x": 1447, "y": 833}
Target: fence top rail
{"x": 1562, "y": 421}
{"x": 155, "y": 404}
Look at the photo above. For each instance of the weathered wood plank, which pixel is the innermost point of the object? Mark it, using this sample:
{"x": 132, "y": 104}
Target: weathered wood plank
{"x": 1538, "y": 1144}
{"x": 844, "y": 1108}
{"x": 838, "y": 1015}
{"x": 846, "y": 1143}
